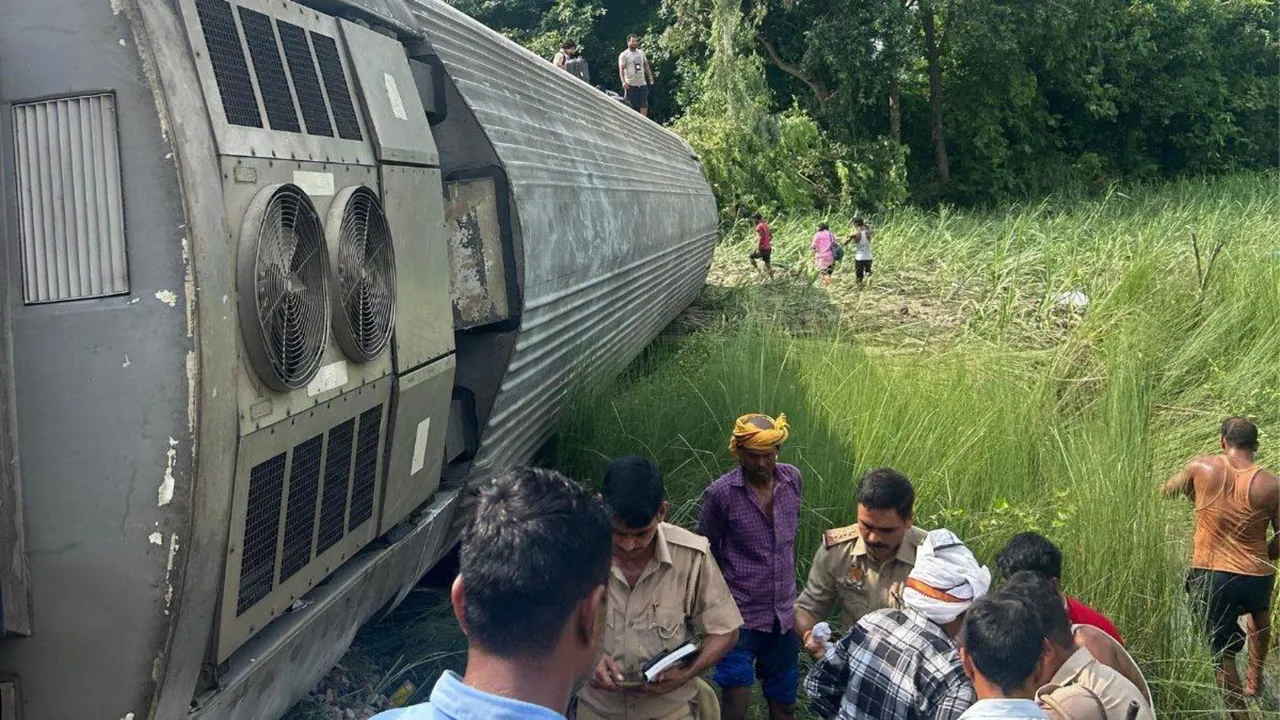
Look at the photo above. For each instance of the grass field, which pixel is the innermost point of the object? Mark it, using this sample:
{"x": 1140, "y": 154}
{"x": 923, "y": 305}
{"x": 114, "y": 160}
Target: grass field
{"x": 956, "y": 366}
{"x": 1009, "y": 412}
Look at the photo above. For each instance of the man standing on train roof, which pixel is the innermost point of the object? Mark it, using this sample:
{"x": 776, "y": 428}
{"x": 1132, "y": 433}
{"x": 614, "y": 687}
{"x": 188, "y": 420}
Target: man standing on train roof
{"x": 764, "y": 245}
{"x": 663, "y": 585}
{"x": 636, "y": 76}
{"x": 530, "y": 597}
{"x": 751, "y": 516}
{"x": 567, "y": 59}
{"x": 862, "y": 566}
{"x": 1033, "y": 551}
{"x": 1231, "y": 559}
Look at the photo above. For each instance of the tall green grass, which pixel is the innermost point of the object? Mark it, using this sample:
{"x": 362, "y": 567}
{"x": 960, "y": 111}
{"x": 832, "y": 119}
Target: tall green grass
{"x": 1024, "y": 417}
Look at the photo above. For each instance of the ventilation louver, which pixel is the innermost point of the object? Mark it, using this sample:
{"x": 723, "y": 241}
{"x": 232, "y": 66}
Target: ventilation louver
{"x": 283, "y": 287}
{"x": 364, "y": 273}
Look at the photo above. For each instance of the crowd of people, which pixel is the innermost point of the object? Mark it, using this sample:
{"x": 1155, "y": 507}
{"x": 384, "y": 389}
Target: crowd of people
{"x": 571, "y": 601}
{"x": 828, "y": 252}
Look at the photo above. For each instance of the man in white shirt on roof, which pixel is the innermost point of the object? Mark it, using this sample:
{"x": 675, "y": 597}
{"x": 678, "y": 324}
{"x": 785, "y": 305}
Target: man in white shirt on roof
{"x": 636, "y": 76}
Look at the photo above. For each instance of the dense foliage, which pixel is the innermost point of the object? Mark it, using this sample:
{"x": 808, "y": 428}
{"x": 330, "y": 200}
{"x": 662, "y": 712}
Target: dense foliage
{"x": 796, "y": 103}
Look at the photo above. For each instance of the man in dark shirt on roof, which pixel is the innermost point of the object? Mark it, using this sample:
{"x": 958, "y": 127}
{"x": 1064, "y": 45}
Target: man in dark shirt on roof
{"x": 751, "y": 516}
{"x": 1033, "y": 551}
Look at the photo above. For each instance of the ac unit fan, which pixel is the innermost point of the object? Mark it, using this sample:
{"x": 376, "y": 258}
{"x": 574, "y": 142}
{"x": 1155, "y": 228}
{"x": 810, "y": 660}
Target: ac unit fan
{"x": 363, "y": 264}
{"x": 282, "y": 287}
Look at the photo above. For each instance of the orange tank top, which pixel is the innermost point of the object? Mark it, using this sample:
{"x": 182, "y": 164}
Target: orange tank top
{"x": 1231, "y": 535}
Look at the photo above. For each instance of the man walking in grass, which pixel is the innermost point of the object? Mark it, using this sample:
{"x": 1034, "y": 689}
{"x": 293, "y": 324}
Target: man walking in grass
{"x": 861, "y": 239}
{"x": 1231, "y": 559}
{"x": 764, "y": 245}
{"x": 862, "y": 567}
{"x": 663, "y": 586}
{"x": 751, "y": 516}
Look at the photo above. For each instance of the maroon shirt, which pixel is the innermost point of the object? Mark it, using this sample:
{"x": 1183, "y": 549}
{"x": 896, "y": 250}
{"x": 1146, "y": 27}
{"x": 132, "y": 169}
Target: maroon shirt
{"x": 756, "y": 555}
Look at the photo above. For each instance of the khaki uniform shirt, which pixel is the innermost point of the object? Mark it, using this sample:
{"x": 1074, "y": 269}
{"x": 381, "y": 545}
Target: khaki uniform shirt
{"x": 843, "y": 570}
{"x": 681, "y": 592}
{"x": 1110, "y": 687}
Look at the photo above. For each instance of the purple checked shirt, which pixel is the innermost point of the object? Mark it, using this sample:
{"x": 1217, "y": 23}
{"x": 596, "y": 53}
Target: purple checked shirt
{"x": 756, "y": 555}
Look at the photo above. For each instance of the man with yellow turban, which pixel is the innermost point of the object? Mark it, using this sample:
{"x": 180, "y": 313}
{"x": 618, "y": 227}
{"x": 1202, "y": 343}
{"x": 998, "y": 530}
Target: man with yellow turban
{"x": 751, "y": 516}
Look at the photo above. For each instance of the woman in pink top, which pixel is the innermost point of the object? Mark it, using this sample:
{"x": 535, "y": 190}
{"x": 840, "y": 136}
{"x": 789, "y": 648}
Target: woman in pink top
{"x": 823, "y": 255}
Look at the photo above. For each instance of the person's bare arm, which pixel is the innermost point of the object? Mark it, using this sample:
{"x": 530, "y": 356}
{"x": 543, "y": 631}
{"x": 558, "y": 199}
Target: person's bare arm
{"x": 1271, "y": 500}
{"x": 622, "y": 73}
{"x": 648, "y": 71}
{"x": 1107, "y": 651}
{"x": 1182, "y": 482}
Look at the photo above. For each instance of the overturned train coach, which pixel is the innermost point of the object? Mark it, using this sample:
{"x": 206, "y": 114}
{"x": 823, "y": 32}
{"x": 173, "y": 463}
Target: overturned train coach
{"x": 279, "y": 277}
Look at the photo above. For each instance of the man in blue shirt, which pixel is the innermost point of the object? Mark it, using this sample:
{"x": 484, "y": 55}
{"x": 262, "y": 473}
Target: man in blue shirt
{"x": 530, "y": 597}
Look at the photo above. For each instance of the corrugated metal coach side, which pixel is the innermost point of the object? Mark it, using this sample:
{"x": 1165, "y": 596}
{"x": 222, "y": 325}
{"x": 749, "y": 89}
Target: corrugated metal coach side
{"x": 279, "y": 277}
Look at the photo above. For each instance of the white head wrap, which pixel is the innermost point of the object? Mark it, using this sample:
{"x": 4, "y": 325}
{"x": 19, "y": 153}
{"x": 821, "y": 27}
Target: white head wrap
{"x": 946, "y": 578}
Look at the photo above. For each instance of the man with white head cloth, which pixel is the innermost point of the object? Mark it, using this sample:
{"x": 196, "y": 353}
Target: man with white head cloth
{"x": 904, "y": 663}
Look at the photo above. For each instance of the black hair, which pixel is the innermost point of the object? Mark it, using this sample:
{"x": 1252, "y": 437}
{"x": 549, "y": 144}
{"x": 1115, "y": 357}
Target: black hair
{"x": 887, "y": 489}
{"x": 535, "y": 545}
{"x": 633, "y": 491}
{"x": 1240, "y": 432}
{"x": 1030, "y": 551}
{"x": 1002, "y": 638}
{"x": 823, "y": 226}
{"x": 568, "y": 45}
{"x": 757, "y": 217}
{"x": 858, "y": 221}
{"x": 1037, "y": 592}
{"x": 633, "y": 37}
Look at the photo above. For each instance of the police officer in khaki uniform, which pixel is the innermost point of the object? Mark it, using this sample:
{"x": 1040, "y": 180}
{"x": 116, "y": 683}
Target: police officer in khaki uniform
{"x": 863, "y": 566}
{"x": 664, "y": 587}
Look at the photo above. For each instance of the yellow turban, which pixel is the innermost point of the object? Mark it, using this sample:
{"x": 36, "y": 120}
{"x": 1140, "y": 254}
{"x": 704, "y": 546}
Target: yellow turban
{"x": 748, "y": 436}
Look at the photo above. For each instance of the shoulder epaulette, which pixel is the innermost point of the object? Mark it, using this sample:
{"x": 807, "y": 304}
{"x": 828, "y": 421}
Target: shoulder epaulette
{"x": 677, "y": 535}
{"x": 836, "y": 536}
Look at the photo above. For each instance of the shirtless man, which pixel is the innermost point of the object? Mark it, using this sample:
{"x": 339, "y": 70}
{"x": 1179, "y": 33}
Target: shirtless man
{"x": 1231, "y": 561}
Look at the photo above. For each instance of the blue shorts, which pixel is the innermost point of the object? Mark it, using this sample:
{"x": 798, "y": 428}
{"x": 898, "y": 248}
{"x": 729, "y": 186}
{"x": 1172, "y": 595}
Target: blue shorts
{"x": 774, "y": 657}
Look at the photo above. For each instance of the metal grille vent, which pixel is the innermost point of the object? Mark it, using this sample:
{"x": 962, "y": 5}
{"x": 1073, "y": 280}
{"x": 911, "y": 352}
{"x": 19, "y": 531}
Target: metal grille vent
{"x": 229, "y": 67}
{"x": 267, "y": 66}
{"x": 261, "y": 530}
{"x": 363, "y": 262}
{"x": 335, "y": 82}
{"x": 70, "y": 203}
{"x": 337, "y": 475}
{"x": 310, "y": 78}
{"x": 306, "y": 81}
{"x": 282, "y": 285}
{"x": 300, "y": 520}
{"x": 302, "y": 503}
{"x": 365, "y": 475}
